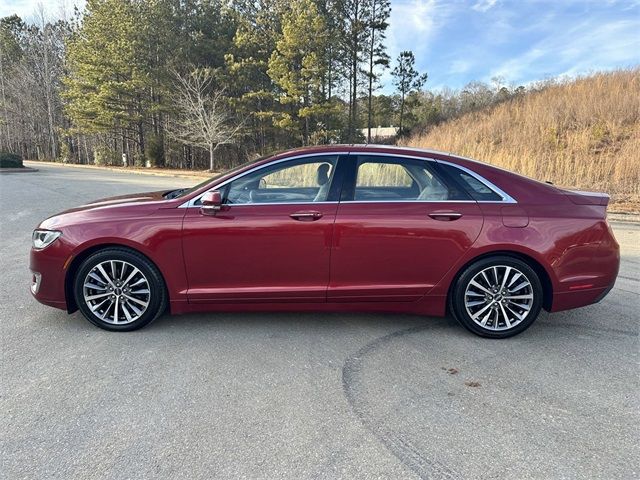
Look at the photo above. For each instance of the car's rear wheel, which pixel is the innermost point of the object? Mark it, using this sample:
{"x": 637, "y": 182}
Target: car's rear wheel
{"x": 119, "y": 289}
{"x": 497, "y": 297}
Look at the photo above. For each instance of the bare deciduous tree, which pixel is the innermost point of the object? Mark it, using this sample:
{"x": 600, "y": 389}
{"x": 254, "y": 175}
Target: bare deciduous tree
{"x": 203, "y": 118}
{"x": 31, "y": 66}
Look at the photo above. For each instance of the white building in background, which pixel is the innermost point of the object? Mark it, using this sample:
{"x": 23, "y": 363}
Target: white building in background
{"x": 380, "y": 133}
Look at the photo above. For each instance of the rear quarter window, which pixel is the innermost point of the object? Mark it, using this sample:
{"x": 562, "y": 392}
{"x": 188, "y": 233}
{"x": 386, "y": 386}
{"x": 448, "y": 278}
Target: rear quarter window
{"x": 477, "y": 189}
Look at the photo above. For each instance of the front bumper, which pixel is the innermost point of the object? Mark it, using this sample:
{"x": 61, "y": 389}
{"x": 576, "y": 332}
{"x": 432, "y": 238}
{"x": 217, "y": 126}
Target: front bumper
{"x": 48, "y": 274}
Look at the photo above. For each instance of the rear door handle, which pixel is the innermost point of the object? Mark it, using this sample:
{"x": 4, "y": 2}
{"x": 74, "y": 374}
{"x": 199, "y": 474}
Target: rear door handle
{"x": 306, "y": 216}
{"x": 445, "y": 216}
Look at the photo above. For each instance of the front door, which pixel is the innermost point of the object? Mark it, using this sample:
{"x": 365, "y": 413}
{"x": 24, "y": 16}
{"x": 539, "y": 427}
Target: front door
{"x": 271, "y": 240}
{"x": 399, "y": 228}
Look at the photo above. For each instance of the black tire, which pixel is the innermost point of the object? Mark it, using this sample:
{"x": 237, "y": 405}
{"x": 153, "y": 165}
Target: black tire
{"x": 124, "y": 259}
{"x": 461, "y": 300}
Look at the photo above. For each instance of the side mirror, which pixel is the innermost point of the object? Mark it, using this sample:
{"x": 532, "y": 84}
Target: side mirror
{"x": 211, "y": 203}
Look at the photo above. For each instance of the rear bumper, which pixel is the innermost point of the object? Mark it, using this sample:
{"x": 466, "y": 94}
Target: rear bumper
{"x": 596, "y": 283}
{"x": 569, "y": 300}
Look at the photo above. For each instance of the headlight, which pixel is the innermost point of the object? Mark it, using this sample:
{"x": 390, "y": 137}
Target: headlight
{"x": 44, "y": 238}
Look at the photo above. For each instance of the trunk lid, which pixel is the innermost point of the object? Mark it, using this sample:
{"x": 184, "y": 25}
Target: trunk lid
{"x": 587, "y": 198}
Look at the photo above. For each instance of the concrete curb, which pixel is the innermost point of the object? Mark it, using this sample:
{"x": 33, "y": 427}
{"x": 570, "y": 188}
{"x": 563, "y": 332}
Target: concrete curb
{"x": 156, "y": 172}
{"x": 623, "y": 217}
{"x": 18, "y": 170}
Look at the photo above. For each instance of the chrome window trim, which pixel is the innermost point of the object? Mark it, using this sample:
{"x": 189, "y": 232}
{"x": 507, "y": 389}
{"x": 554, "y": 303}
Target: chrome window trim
{"x": 407, "y": 149}
{"x": 410, "y": 201}
{"x": 506, "y": 198}
{"x": 235, "y": 205}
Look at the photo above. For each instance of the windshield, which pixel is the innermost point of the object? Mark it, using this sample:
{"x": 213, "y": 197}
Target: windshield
{"x": 186, "y": 191}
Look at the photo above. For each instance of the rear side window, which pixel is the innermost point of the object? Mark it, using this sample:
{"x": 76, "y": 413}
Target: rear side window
{"x": 380, "y": 179}
{"x": 476, "y": 188}
{"x": 379, "y": 174}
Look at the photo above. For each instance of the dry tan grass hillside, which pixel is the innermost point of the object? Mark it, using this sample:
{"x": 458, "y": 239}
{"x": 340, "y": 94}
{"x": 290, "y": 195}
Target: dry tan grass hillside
{"x": 581, "y": 134}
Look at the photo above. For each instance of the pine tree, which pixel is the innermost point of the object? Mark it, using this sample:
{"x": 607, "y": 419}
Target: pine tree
{"x": 296, "y": 65}
{"x": 378, "y": 21}
{"x": 108, "y": 76}
{"x": 332, "y": 119}
{"x": 354, "y": 41}
{"x": 253, "y": 91}
{"x": 406, "y": 79}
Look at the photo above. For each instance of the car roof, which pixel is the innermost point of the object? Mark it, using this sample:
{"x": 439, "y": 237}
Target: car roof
{"x": 354, "y": 147}
{"x": 517, "y": 186}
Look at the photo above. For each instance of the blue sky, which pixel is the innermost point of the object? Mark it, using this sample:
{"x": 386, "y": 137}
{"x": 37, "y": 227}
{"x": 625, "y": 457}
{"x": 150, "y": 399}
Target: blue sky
{"x": 457, "y": 41}
{"x": 522, "y": 41}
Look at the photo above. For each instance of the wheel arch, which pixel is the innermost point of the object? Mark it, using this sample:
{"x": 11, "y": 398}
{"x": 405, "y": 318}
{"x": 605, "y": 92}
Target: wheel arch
{"x": 543, "y": 275}
{"x": 80, "y": 256}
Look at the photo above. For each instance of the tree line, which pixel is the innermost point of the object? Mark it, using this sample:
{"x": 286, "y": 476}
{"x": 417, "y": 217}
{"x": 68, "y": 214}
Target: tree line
{"x": 209, "y": 83}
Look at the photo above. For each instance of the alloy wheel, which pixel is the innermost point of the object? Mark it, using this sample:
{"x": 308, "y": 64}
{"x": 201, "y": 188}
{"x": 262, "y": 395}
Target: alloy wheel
{"x": 116, "y": 292}
{"x": 499, "y": 297}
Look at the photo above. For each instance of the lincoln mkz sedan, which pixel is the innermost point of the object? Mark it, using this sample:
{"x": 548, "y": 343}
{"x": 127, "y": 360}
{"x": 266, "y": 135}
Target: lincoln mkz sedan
{"x": 334, "y": 228}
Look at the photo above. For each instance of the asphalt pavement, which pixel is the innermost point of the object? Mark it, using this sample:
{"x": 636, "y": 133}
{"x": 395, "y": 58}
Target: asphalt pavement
{"x": 305, "y": 395}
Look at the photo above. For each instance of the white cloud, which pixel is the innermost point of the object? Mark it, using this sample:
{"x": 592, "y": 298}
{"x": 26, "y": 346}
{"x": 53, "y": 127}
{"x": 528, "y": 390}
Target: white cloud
{"x": 412, "y": 26}
{"x": 514, "y": 68}
{"x": 588, "y": 46}
{"x": 22, "y": 8}
{"x": 484, "y": 5}
{"x": 460, "y": 66}
{"x": 410, "y": 19}
{"x": 26, "y": 9}
{"x": 601, "y": 45}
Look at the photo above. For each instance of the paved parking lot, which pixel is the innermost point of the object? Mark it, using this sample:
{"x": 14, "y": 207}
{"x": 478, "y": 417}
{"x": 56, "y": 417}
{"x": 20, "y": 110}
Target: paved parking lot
{"x": 305, "y": 395}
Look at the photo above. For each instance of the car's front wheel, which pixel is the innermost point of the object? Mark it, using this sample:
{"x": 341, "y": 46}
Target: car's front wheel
{"x": 497, "y": 297}
{"x": 119, "y": 289}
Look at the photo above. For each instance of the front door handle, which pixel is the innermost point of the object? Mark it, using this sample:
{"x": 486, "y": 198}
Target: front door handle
{"x": 445, "y": 216}
{"x": 306, "y": 216}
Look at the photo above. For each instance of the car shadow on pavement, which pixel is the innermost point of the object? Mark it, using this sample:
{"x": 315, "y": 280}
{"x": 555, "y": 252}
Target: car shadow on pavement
{"x": 300, "y": 321}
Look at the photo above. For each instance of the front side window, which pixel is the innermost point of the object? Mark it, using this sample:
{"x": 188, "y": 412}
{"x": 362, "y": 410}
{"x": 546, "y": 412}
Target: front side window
{"x": 401, "y": 179}
{"x": 304, "y": 180}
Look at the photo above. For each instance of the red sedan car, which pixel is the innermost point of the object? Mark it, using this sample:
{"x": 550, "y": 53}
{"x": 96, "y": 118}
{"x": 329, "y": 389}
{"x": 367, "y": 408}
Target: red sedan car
{"x": 334, "y": 228}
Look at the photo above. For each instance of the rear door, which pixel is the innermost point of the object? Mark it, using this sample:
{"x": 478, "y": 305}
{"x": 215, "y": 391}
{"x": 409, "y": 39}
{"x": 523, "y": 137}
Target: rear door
{"x": 399, "y": 228}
